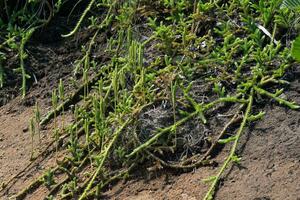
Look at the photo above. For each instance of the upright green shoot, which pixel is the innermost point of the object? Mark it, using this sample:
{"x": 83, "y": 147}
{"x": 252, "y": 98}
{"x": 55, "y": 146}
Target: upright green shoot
{"x": 37, "y": 119}
{"x": 61, "y": 96}
{"x": 23, "y": 55}
{"x": 32, "y": 133}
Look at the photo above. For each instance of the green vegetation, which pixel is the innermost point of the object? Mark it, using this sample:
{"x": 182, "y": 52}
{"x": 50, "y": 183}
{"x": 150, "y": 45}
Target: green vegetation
{"x": 158, "y": 51}
{"x": 18, "y": 21}
{"x": 294, "y": 5}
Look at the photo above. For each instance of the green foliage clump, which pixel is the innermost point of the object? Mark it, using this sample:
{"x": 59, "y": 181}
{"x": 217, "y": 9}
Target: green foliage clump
{"x": 18, "y": 21}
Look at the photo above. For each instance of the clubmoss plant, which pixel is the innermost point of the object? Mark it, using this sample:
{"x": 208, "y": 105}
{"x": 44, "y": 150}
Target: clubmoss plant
{"x": 23, "y": 56}
{"x": 37, "y": 114}
{"x": 32, "y": 134}
{"x": 61, "y": 96}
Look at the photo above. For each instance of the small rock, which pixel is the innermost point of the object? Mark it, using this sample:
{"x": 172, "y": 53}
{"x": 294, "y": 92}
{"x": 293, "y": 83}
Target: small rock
{"x": 25, "y": 129}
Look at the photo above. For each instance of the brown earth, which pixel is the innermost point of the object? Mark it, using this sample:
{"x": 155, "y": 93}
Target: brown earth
{"x": 270, "y": 166}
{"x": 269, "y": 169}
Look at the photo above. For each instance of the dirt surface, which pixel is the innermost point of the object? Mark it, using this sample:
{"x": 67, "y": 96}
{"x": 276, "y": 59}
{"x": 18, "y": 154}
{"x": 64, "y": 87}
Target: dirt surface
{"x": 50, "y": 58}
{"x": 48, "y": 62}
{"x": 269, "y": 169}
{"x": 16, "y": 148}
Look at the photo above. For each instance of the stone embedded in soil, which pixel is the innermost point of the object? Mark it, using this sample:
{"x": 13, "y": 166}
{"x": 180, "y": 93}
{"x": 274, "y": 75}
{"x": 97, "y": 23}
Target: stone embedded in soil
{"x": 25, "y": 129}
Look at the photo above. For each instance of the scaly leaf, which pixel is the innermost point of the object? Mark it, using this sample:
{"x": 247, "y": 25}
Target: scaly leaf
{"x": 291, "y": 4}
{"x": 296, "y": 49}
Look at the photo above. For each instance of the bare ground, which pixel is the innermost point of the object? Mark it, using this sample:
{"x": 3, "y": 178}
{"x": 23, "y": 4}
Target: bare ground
{"x": 269, "y": 169}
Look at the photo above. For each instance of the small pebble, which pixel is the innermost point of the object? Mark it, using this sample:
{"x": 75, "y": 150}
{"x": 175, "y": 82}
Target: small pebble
{"x": 25, "y": 129}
